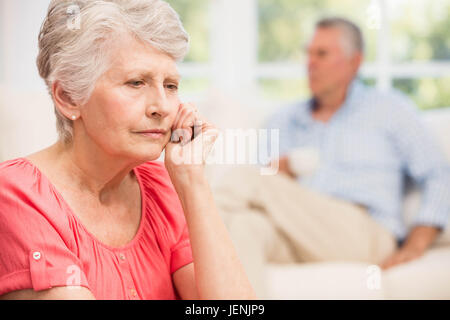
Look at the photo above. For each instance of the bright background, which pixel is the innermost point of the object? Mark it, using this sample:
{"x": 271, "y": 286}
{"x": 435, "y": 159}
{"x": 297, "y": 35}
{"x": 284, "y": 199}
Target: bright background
{"x": 250, "y": 50}
{"x": 244, "y": 43}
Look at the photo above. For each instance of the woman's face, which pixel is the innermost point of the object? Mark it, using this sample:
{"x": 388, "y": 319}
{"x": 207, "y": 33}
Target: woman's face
{"x": 138, "y": 93}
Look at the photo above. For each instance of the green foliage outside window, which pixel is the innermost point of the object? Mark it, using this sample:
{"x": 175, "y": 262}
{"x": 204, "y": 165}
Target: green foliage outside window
{"x": 194, "y": 15}
{"x": 285, "y": 26}
{"x": 419, "y": 31}
{"x": 427, "y": 93}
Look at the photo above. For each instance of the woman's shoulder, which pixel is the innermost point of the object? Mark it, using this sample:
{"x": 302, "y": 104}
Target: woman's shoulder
{"x": 154, "y": 174}
{"x": 21, "y": 183}
{"x": 157, "y": 185}
{"x": 155, "y": 164}
{"x": 26, "y": 195}
{"x": 17, "y": 172}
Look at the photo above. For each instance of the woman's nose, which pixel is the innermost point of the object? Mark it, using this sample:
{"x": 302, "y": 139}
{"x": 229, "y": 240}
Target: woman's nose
{"x": 157, "y": 104}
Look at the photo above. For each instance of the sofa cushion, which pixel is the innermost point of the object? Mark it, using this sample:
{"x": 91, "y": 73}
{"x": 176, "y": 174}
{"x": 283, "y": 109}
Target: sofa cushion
{"x": 325, "y": 280}
{"x": 425, "y": 278}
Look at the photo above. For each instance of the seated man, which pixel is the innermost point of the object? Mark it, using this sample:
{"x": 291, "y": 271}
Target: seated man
{"x": 349, "y": 207}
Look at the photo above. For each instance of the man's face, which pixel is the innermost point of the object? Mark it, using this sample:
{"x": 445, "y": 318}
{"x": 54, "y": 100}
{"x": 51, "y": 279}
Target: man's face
{"x": 138, "y": 93}
{"x": 329, "y": 66}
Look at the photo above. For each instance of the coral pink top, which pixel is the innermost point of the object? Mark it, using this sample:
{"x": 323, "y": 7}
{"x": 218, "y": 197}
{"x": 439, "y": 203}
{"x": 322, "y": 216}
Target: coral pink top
{"x": 44, "y": 245}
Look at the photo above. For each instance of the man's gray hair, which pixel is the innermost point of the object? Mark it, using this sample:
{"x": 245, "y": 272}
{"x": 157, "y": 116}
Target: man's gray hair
{"x": 77, "y": 39}
{"x": 352, "y": 38}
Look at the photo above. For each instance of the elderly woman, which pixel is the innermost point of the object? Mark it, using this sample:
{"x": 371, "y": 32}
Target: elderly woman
{"x": 94, "y": 216}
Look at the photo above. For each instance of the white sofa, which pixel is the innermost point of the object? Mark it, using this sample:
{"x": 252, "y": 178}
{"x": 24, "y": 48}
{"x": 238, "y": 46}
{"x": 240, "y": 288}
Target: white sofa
{"x": 425, "y": 278}
{"x": 27, "y": 124}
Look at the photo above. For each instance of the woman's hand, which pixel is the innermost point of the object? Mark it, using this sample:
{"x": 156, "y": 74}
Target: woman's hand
{"x": 216, "y": 271}
{"x": 191, "y": 142}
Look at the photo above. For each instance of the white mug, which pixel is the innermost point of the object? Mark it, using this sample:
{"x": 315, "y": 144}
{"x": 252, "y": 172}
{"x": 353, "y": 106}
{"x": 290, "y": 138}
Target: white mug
{"x": 303, "y": 161}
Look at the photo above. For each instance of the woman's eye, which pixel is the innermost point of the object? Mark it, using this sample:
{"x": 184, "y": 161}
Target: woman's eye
{"x": 136, "y": 83}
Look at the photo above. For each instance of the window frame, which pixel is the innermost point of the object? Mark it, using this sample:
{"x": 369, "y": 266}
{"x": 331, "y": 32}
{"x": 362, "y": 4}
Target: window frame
{"x": 224, "y": 64}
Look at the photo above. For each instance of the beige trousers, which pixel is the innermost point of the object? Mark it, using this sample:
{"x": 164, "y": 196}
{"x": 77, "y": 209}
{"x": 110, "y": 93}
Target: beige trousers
{"x": 275, "y": 219}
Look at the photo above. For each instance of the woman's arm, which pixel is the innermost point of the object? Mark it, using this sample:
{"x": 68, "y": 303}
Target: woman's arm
{"x": 184, "y": 280}
{"x": 217, "y": 271}
{"x": 57, "y": 293}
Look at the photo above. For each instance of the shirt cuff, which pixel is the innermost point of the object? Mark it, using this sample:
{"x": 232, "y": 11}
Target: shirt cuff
{"x": 434, "y": 218}
{"x": 21, "y": 280}
{"x": 42, "y": 277}
{"x": 180, "y": 257}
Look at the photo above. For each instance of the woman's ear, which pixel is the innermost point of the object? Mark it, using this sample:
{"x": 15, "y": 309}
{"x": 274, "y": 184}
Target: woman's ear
{"x": 63, "y": 101}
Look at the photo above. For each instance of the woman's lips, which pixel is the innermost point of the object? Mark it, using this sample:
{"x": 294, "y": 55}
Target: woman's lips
{"x": 156, "y": 134}
{"x": 152, "y": 134}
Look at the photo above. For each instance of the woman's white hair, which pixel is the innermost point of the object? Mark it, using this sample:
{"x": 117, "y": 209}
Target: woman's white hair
{"x": 77, "y": 37}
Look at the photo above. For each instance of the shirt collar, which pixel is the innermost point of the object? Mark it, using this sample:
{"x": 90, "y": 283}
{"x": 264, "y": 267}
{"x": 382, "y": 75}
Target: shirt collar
{"x": 303, "y": 113}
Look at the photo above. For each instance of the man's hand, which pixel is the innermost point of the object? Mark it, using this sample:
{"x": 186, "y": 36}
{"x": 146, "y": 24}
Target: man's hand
{"x": 283, "y": 167}
{"x": 402, "y": 255}
{"x": 419, "y": 239}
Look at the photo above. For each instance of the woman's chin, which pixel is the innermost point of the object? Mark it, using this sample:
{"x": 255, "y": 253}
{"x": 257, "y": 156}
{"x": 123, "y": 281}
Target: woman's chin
{"x": 154, "y": 153}
{"x": 146, "y": 151}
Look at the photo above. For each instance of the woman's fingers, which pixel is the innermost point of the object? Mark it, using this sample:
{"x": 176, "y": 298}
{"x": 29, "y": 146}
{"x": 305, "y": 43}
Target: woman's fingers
{"x": 188, "y": 124}
{"x": 195, "y": 134}
{"x": 185, "y": 111}
{"x": 185, "y": 121}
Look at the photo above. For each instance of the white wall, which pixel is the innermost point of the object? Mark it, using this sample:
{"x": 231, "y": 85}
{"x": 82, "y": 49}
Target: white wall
{"x": 20, "y": 24}
{"x": 27, "y": 122}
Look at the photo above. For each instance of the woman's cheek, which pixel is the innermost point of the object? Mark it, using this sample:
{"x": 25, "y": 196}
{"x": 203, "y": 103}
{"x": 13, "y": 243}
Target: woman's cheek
{"x": 175, "y": 106}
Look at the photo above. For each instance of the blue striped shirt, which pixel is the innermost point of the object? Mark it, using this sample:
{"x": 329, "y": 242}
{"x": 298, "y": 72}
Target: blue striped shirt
{"x": 366, "y": 150}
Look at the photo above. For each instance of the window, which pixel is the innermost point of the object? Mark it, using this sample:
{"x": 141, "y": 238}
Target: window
{"x": 421, "y": 50}
{"x": 258, "y": 44}
{"x": 285, "y": 26}
{"x": 428, "y": 93}
{"x": 420, "y": 30}
{"x": 407, "y": 45}
{"x": 194, "y": 15}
